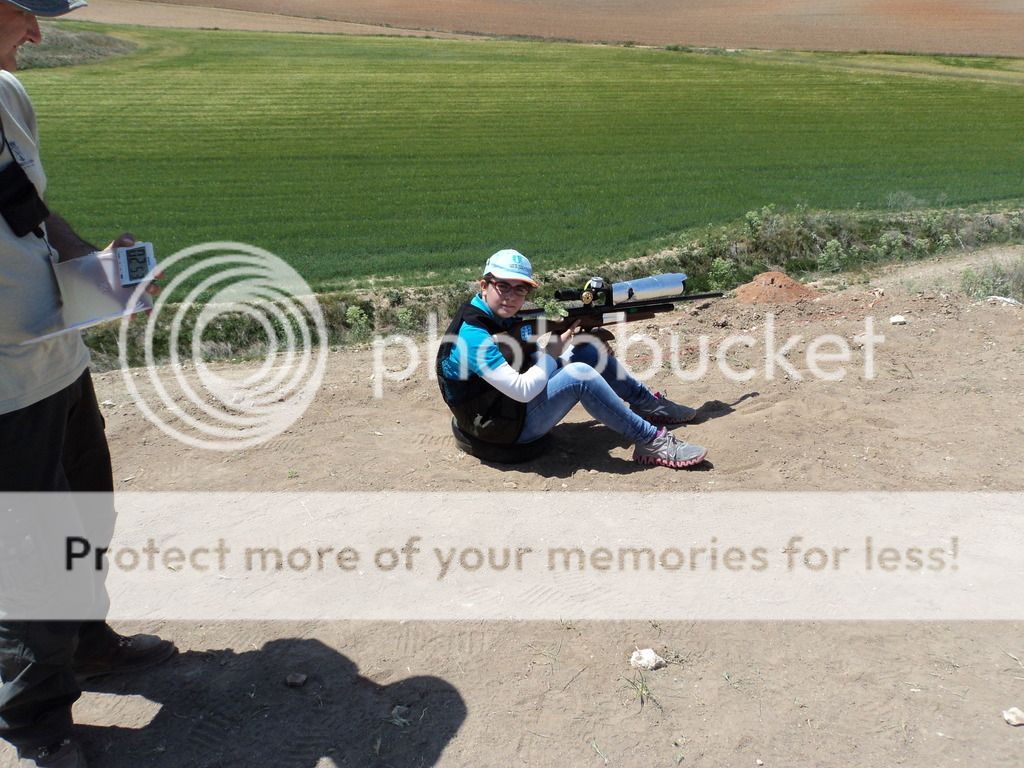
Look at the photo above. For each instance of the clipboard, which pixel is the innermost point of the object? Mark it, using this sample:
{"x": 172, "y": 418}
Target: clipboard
{"x": 92, "y": 293}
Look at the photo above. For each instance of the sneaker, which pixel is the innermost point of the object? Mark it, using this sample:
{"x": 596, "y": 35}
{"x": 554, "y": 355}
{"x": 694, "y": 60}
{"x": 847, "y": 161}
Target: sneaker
{"x": 665, "y": 450}
{"x": 63, "y": 754}
{"x": 664, "y": 413}
{"x": 123, "y": 654}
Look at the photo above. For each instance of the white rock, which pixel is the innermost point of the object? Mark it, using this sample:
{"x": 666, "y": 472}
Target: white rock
{"x": 897, "y": 320}
{"x": 1014, "y": 716}
{"x": 646, "y": 659}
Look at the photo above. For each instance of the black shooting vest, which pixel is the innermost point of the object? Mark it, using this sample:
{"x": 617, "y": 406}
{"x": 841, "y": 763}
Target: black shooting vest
{"x": 481, "y": 410}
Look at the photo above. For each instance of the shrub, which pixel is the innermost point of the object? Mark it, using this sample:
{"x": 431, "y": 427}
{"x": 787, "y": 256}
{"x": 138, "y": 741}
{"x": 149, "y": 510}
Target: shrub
{"x": 358, "y": 322}
{"x": 921, "y": 247}
{"x": 412, "y": 319}
{"x": 723, "y": 274}
{"x": 1017, "y": 225}
{"x": 832, "y": 258}
{"x": 891, "y": 246}
{"x": 995, "y": 280}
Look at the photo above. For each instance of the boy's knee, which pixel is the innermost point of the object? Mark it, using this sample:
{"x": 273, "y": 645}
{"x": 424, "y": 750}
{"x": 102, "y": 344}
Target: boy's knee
{"x": 584, "y": 378}
{"x": 585, "y": 353}
{"x": 580, "y": 373}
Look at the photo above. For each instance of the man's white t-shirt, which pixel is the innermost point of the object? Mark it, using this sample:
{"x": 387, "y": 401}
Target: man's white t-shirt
{"x": 30, "y": 304}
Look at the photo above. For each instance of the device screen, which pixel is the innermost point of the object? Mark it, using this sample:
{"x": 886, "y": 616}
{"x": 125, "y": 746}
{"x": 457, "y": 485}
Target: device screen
{"x": 138, "y": 265}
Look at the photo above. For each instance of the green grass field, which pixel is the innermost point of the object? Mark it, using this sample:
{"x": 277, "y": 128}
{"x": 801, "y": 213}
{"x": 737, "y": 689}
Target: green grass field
{"x": 353, "y": 157}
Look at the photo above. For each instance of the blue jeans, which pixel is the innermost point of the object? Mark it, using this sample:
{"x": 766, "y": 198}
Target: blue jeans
{"x": 602, "y": 394}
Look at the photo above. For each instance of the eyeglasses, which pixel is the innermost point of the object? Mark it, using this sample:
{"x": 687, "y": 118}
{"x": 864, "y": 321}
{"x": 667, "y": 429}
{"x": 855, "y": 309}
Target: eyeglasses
{"x": 506, "y": 288}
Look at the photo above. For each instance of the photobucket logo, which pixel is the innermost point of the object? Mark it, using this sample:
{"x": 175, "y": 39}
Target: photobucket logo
{"x": 217, "y": 283}
{"x": 828, "y": 357}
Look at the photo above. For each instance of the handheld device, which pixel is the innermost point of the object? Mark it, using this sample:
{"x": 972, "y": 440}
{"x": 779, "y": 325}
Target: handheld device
{"x": 135, "y": 262}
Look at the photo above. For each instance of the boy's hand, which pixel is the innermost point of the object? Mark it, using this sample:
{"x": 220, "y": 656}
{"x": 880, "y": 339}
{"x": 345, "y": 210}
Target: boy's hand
{"x": 557, "y": 344}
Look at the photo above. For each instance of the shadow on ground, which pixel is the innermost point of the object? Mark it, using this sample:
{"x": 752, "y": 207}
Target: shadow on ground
{"x": 716, "y": 409}
{"x": 223, "y": 708}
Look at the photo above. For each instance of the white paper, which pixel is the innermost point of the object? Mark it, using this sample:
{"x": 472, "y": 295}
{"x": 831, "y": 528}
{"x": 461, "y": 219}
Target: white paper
{"x": 92, "y": 293}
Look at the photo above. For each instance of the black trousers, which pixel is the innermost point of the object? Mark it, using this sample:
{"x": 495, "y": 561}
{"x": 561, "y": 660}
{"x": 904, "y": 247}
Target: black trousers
{"x": 55, "y": 445}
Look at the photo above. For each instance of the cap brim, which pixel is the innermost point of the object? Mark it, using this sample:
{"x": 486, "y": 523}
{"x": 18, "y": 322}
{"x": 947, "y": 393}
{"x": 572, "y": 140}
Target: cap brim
{"x": 513, "y": 277}
{"x": 48, "y": 7}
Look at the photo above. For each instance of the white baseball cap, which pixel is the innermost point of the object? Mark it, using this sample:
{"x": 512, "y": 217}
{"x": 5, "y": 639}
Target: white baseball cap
{"x": 510, "y": 264}
{"x": 48, "y": 7}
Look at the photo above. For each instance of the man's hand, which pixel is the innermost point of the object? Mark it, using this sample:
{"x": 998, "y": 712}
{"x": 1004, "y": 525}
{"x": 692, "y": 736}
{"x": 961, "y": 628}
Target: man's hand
{"x": 126, "y": 240}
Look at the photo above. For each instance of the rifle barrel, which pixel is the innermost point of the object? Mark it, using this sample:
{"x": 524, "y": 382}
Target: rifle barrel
{"x": 631, "y": 310}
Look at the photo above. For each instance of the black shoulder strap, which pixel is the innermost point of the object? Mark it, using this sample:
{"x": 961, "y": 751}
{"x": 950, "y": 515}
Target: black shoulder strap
{"x": 20, "y": 204}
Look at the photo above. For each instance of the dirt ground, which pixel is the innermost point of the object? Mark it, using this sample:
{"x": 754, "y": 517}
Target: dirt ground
{"x": 922, "y": 26}
{"x": 942, "y": 414}
{"x": 955, "y": 357}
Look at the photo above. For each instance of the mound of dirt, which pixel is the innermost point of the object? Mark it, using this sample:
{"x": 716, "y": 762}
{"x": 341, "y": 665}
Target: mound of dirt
{"x": 774, "y": 288}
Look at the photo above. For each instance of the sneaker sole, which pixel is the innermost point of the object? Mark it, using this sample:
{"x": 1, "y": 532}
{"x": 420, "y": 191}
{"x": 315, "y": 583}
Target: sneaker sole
{"x": 654, "y": 461}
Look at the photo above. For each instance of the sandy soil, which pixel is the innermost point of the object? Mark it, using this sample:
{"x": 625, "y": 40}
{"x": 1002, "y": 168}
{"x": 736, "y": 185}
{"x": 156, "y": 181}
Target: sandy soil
{"x": 943, "y": 414}
{"x": 768, "y": 435}
{"x": 954, "y": 26}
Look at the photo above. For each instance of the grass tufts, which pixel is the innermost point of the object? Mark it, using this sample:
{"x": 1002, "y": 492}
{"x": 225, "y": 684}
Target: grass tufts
{"x": 64, "y": 47}
{"x": 640, "y": 690}
{"x": 1006, "y": 280}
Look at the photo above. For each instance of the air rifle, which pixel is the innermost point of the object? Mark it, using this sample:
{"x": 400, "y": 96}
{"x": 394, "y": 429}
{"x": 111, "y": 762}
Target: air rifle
{"x": 599, "y": 303}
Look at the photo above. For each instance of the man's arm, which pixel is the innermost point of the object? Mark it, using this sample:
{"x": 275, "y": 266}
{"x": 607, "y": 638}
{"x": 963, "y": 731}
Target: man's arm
{"x": 65, "y": 240}
{"x": 69, "y": 245}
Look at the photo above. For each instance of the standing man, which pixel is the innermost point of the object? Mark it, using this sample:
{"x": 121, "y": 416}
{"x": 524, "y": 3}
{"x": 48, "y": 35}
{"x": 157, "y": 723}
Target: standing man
{"x": 51, "y": 430}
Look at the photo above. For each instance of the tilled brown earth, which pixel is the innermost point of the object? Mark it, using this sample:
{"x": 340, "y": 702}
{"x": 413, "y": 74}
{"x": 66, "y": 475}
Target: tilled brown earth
{"x": 923, "y": 26}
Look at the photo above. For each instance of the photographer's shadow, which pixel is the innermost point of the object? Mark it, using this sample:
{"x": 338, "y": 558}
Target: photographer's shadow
{"x": 222, "y": 708}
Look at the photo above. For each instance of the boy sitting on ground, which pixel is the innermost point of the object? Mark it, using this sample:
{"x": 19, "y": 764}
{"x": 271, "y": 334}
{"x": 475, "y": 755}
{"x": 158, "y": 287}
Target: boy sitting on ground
{"x": 502, "y": 403}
